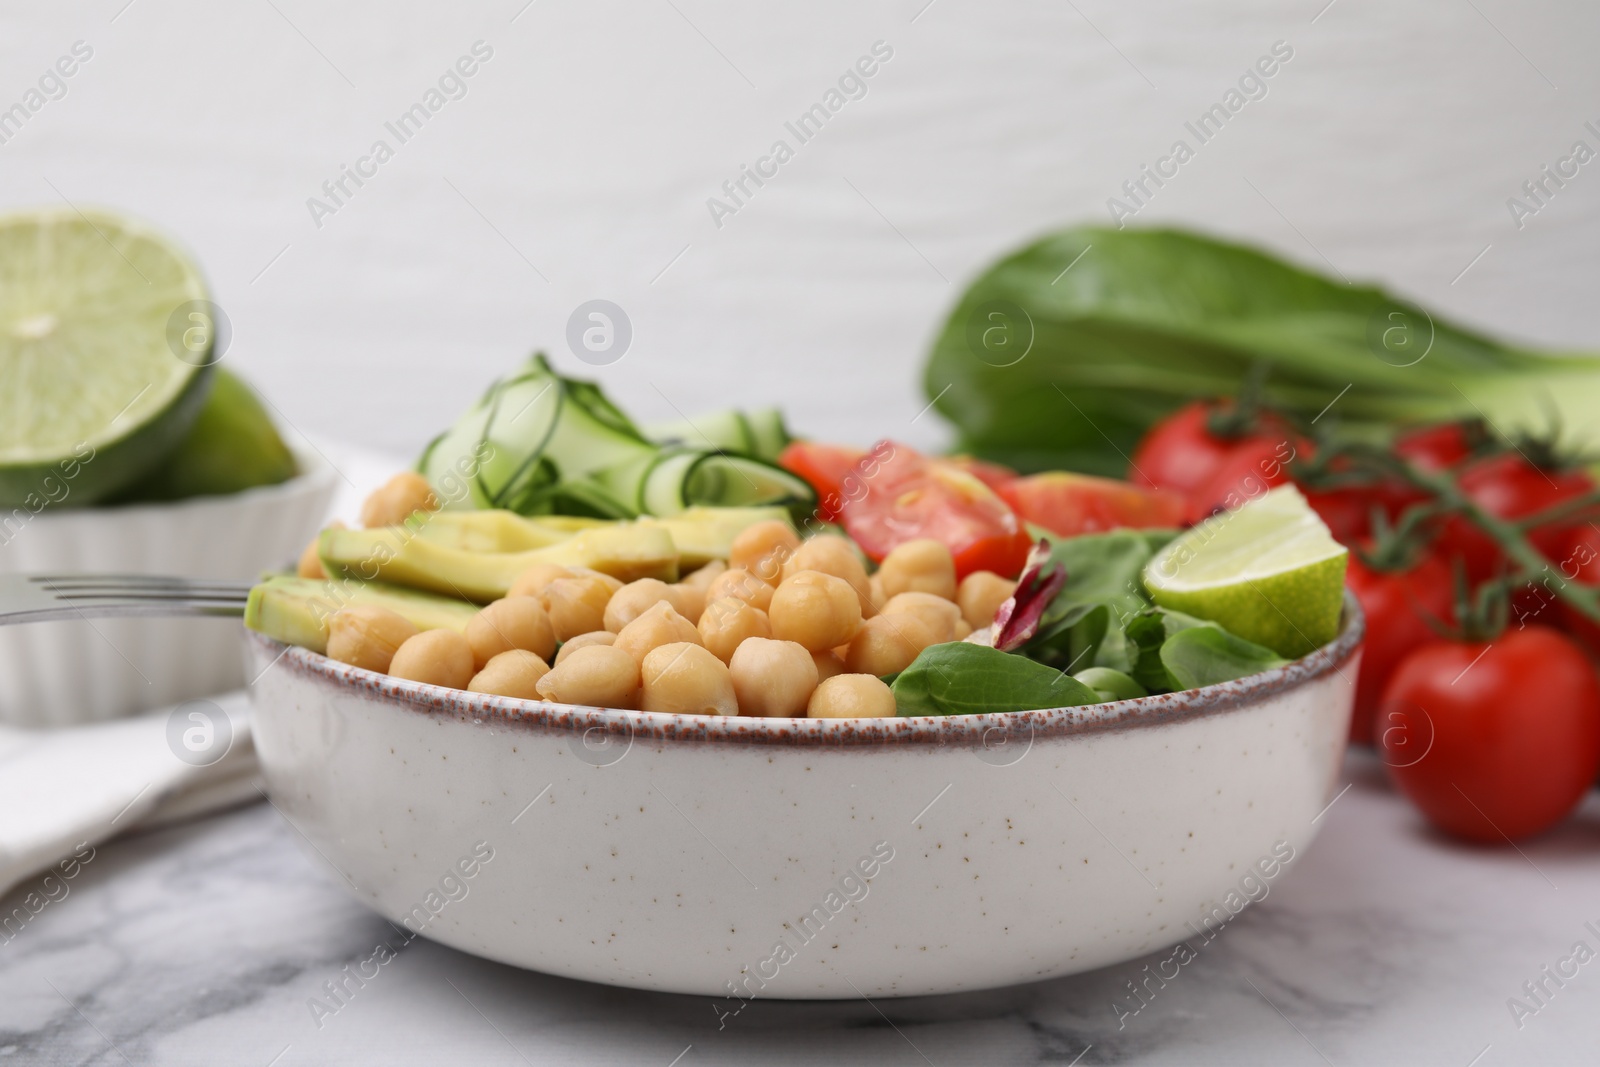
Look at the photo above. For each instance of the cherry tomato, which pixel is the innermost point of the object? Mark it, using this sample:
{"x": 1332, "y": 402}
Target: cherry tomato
{"x": 1435, "y": 448}
{"x": 825, "y": 468}
{"x": 1346, "y": 512}
{"x": 1072, "y": 504}
{"x": 1509, "y": 487}
{"x": 1179, "y": 452}
{"x": 1581, "y": 563}
{"x": 1398, "y": 605}
{"x": 1253, "y": 466}
{"x": 908, "y": 496}
{"x": 994, "y": 475}
{"x": 1493, "y": 740}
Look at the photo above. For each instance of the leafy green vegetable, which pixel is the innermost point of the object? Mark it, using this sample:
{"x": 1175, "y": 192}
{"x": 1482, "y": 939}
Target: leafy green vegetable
{"x": 1146, "y": 320}
{"x": 965, "y": 679}
{"x": 1110, "y": 684}
{"x": 1106, "y": 568}
{"x": 1207, "y": 654}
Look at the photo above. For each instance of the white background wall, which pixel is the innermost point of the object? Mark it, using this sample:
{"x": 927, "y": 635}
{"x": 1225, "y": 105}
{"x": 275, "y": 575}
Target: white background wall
{"x": 1388, "y": 146}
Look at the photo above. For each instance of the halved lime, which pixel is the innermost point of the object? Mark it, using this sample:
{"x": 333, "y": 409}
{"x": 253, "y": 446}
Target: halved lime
{"x": 1268, "y": 571}
{"x": 92, "y": 394}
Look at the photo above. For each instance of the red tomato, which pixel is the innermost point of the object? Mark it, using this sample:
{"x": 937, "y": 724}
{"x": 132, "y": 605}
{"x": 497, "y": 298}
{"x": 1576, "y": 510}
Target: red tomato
{"x": 1434, "y": 448}
{"x": 1509, "y": 487}
{"x": 994, "y": 475}
{"x": 1397, "y": 605}
{"x": 1179, "y": 452}
{"x": 1494, "y": 740}
{"x": 1072, "y": 504}
{"x": 825, "y": 468}
{"x": 908, "y": 496}
{"x": 1581, "y": 563}
{"x": 1253, "y": 466}
{"x": 1346, "y": 512}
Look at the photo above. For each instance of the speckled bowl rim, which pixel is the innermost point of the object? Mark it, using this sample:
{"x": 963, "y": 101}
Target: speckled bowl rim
{"x": 963, "y": 730}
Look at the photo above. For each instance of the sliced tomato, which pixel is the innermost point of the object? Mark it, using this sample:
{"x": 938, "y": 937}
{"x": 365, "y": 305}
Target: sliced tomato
{"x": 1071, "y": 504}
{"x": 908, "y": 496}
{"x": 994, "y": 475}
{"x": 825, "y": 468}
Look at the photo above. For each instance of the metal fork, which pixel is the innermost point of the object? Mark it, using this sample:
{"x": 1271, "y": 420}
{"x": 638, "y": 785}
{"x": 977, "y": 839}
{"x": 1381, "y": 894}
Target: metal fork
{"x": 47, "y": 597}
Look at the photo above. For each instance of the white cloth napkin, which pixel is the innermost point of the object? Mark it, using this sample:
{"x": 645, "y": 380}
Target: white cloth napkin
{"x": 62, "y": 789}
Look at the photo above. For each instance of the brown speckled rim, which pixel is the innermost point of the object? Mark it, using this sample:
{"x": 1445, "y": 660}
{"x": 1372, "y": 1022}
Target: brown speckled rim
{"x": 989, "y": 731}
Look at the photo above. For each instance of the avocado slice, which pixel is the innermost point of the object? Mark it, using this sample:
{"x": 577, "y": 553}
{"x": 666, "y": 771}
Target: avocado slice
{"x": 296, "y": 610}
{"x": 497, "y": 530}
{"x": 626, "y": 551}
{"x": 703, "y": 534}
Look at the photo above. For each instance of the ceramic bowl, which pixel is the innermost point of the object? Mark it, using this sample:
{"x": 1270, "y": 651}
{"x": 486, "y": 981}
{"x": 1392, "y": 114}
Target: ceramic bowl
{"x": 803, "y": 858}
{"x": 66, "y": 673}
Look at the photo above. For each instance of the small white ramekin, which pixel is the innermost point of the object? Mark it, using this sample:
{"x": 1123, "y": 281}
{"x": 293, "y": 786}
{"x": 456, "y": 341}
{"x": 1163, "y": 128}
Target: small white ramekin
{"x": 66, "y": 673}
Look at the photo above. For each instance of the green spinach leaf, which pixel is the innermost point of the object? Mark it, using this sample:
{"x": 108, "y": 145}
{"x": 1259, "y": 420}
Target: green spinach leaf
{"x": 965, "y": 679}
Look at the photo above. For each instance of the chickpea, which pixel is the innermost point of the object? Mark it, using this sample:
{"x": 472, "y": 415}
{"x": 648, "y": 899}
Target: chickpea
{"x": 594, "y": 637}
{"x": 310, "y": 564}
{"x": 851, "y": 696}
{"x": 920, "y": 566}
{"x": 513, "y": 673}
{"x": 828, "y": 665}
{"x": 690, "y": 600}
{"x": 980, "y": 596}
{"x": 599, "y": 675}
{"x": 936, "y": 611}
{"x": 876, "y": 594}
{"x": 816, "y": 610}
{"x": 515, "y": 622}
{"x": 659, "y": 625}
{"x": 682, "y": 678}
{"x": 772, "y": 678}
{"x": 728, "y": 622}
{"x": 437, "y": 657}
{"x": 533, "y": 581}
{"x": 703, "y": 577}
{"x": 397, "y": 499}
{"x": 365, "y": 635}
{"x": 762, "y": 549}
{"x": 632, "y": 600}
{"x": 575, "y": 605}
{"x": 612, "y": 584}
{"x": 740, "y": 583}
{"x": 887, "y": 644}
{"x": 835, "y": 555}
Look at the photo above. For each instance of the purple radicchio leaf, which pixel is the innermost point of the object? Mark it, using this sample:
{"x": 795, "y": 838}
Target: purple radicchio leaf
{"x": 1018, "y": 618}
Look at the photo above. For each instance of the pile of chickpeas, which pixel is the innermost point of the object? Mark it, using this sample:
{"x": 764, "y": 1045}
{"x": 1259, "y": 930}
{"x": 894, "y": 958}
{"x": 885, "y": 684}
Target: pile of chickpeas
{"x": 785, "y": 628}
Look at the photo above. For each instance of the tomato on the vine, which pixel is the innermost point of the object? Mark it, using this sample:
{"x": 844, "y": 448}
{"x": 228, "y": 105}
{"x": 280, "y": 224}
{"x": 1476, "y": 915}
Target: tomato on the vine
{"x": 1254, "y": 465}
{"x": 1507, "y": 486}
{"x": 908, "y": 496}
{"x": 1581, "y": 564}
{"x": 1493, "y": 740}
{"x": 1180, "y": 452}
{"x": 1436, "y": 448}
{"x": 1398, "y": 606}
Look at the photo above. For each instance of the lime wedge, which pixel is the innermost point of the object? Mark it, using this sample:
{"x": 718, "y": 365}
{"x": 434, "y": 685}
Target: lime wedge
{"x": 92, "y": 395}
{"x": 1268, "y": 571}
{"x": 232, "y": 446}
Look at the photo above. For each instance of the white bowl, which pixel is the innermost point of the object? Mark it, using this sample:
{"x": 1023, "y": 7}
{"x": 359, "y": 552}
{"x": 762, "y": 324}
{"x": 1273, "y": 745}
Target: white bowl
{"x": 65, "y": 673}
{"x": 678, "y": 852}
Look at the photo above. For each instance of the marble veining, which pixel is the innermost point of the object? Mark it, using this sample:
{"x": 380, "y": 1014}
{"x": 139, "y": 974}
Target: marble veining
{"x": 207, "y": 943}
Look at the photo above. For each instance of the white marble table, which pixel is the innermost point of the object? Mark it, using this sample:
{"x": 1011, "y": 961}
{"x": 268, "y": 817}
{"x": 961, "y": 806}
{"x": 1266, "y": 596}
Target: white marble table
{"x": 204, "y": 944}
